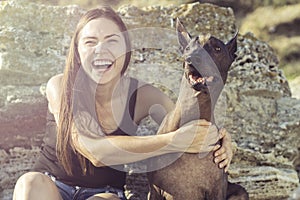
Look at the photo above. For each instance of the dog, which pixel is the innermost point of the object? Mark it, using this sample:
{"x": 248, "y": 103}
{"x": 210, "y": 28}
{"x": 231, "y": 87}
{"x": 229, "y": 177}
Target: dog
{"x": 188, "y": 176}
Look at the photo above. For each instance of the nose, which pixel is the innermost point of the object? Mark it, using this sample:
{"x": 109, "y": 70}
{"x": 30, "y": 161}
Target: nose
{"x": 99, "y": 47}
{"x": 189, "y": 60}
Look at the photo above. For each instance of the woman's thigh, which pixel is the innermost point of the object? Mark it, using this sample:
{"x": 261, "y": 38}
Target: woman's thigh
{"x": 34, "y": 185}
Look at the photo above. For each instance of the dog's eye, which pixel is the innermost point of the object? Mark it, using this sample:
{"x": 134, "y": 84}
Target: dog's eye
{"x": 187, "y": 48}
{"x": 217, "y": 48}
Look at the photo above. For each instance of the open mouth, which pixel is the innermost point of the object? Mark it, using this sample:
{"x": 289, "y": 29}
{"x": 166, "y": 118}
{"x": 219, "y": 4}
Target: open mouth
{"x": 102, "y": 64}
{"x": 194, "y": 80}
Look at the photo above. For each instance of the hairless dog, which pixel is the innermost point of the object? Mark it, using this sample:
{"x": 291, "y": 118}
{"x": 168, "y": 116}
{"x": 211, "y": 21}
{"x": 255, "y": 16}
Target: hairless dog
{"x": 192, "y": 176}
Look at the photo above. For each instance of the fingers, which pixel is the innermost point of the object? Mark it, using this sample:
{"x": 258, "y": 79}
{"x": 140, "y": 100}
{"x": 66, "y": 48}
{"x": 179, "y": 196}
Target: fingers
{"x": 216, "y": 147}
{"x": 222, "y": 133}
{"x": 219, "y": 151}
{"x": 221, "y": 158}
{"x": 220, "y": 155}
{"x": 227, "y": 167}
{"x": 225, "y": 163}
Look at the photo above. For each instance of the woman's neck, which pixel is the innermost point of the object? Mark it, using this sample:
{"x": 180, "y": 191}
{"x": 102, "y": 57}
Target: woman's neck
{"x": 108, "y": 91}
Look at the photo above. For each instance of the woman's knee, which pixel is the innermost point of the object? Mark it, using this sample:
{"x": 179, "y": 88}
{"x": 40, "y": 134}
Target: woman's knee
{"x": 33, "y": 185}
{"x": 32, "y": 179}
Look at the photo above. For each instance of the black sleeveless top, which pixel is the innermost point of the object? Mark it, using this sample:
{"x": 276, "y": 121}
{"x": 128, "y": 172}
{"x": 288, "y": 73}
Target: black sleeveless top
{"x": 113, "y": 176}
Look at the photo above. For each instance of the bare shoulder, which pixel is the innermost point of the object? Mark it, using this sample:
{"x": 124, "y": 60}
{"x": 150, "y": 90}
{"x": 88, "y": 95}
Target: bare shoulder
{"x": 152, "y": 101}
{"x": 146, "y": 92}
{"x": 153, "y": 95}
{"x": 53, "y": 93}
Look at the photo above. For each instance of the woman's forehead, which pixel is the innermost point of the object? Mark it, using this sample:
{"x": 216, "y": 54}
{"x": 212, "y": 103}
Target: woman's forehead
{"x": 100, "y": 27}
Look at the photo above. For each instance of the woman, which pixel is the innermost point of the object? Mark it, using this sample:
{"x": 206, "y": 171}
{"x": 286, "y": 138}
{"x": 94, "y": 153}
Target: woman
{"x": 94, "y": 109}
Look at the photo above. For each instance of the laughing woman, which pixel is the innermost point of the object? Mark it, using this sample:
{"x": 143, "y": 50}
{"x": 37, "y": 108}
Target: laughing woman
{"x": 94, "y": 111}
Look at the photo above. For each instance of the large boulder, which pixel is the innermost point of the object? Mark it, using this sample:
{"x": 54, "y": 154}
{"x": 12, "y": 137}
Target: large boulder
{"x": 257, "y": 106}
{"x": 34, "y": 40}
{"x": 280, "y": 30}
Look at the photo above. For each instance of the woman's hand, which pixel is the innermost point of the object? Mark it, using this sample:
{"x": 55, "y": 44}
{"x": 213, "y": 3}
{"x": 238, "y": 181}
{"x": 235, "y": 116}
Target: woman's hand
{"x": 197, "y": 136}
{"x": 224, "y": 153}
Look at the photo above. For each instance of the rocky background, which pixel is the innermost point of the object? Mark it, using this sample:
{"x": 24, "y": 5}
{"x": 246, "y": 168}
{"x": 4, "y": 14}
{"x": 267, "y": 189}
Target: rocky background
{"x": 260, "y": 111}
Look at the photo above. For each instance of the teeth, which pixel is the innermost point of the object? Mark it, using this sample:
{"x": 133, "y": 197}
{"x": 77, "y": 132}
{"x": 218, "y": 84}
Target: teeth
{"x": 102, "y": 63}
{"x": 192, "y": 81}
{"x": 202, "y": 80}
{"x": 210, "y": 79}
{"x": 197, "y": 93}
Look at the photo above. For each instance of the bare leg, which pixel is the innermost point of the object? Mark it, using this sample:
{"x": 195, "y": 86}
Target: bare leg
{"x": 104, "y": 196}
{"x": 33, "y": 186}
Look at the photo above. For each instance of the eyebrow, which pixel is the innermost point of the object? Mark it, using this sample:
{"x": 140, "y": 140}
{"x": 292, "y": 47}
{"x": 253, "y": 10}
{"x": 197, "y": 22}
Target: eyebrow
{"x": 111, "y": 35}
{"x": 107, "y": 36}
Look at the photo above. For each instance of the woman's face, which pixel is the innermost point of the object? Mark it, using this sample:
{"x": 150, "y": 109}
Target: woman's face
{"x": 102, "y": 50}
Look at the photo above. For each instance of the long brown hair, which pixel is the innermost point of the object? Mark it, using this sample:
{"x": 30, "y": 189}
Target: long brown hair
{"x": 64, "y": 147}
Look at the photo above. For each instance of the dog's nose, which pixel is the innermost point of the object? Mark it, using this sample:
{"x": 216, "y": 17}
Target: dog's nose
{"x": 189, "y": 60}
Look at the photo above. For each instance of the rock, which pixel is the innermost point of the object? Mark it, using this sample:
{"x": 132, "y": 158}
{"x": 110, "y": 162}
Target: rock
{"x": 295, "y": 195}
{"x": 256, "y": 106}
{"x": 295, "y": 87}
{"x": 33, "y": 47}
{"x": 247, "y": 6}
{"x": 19, "y": 160}
{"x": 22, "y": 116}
{"x": 280, "y": 30}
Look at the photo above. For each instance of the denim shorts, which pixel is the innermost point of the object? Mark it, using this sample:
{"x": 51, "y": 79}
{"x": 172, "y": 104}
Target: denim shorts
{"x": 69, "y": 192}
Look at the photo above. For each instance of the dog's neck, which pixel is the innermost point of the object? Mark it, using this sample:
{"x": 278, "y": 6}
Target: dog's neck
{"x": 193, "y": 105}
{"x": 206, "y": 107}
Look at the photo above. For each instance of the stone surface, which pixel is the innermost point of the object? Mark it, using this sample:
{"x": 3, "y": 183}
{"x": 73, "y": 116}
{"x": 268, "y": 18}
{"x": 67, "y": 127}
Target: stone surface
{"x": 281, "y": 31}
{"x": 295, "y": 87}
{"x": 257, "y": 107}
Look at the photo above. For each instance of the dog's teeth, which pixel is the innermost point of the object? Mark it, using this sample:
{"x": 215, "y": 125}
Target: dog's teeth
{"x": 197, "y": 93}
{"x": 210, "y": 79}
{"x": 200, "y": 80}
{"x": 192, "y": 81}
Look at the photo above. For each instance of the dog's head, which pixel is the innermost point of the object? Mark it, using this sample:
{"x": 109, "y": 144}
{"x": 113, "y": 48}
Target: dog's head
{"x": 206, "y": 59}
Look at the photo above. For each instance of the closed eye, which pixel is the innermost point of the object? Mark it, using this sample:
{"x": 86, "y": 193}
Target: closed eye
{"x": 112, "y": 41}
{"x": 90, "y": 42}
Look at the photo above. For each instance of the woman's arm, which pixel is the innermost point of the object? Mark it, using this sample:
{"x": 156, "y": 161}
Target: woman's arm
{"x": 113, "y": 150}
{"x": 159, "y": 104}
{"x": 152, "y": 102}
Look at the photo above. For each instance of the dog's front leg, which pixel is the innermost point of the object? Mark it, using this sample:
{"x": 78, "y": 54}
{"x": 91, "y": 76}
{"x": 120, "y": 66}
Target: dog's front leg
{"x": 171, "y": 121}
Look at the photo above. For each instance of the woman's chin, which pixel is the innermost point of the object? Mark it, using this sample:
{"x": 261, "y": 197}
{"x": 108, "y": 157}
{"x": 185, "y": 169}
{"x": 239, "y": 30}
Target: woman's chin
{"x": 101, "y": 78}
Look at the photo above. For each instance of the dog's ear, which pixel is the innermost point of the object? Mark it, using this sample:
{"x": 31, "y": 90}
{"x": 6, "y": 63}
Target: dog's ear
{"x": 183, "y": 36}
{"x": 232, "y": 45}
